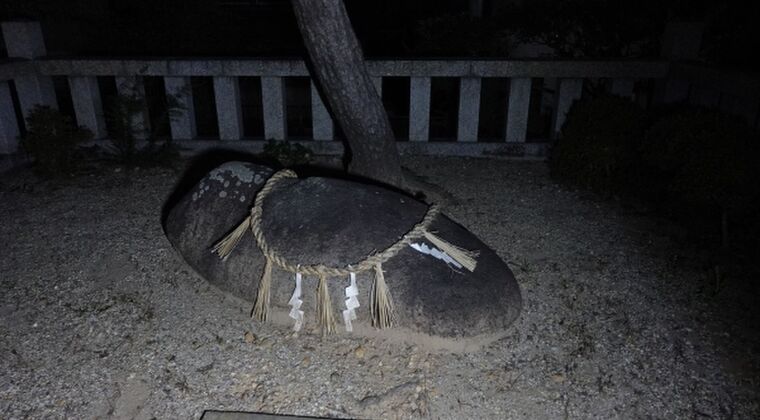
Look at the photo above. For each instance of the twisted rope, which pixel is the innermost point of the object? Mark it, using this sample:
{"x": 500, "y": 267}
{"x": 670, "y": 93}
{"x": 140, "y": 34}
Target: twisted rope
{"x": 368, "y": 263}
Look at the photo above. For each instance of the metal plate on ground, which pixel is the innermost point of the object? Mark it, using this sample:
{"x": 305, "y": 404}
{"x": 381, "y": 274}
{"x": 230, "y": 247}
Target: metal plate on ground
{"x": 240, "y": 415}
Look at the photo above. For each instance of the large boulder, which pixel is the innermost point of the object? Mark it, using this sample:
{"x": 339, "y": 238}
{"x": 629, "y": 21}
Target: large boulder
{"x": 337, "y": 222}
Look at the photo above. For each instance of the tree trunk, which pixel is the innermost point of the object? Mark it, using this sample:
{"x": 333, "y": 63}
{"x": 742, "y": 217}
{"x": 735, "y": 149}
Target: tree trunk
{"x": 338, "y": 67}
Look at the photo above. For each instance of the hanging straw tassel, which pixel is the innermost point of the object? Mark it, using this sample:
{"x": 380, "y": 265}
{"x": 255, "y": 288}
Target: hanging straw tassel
{"x": 229, "y": 242}
{"x": 462, "y": 256}
{"x": 261, "y": 308}
{"x": 324, "y": 306}
{"x": 381, "y": 303}
{"x": 295, "y": 304}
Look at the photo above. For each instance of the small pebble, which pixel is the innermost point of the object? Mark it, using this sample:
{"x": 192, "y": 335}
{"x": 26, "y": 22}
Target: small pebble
{"x": 266, "y": 343}
{"x": 359, "y": 352}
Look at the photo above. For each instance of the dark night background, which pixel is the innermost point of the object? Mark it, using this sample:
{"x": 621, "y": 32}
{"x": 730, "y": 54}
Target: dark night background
{"x": 394, "y": 28}
{"x": 544, "y": 29}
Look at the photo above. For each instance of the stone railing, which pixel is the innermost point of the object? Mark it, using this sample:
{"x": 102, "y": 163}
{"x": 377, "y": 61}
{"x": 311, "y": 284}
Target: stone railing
{"x": 31, "y": 73}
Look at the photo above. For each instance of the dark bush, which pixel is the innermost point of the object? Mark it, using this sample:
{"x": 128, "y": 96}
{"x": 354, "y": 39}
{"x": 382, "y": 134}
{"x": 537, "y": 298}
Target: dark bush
{"x": 599, "y": 146}
{"x": 286, "y": 154}
{"x": 705, "y": 162}
{"x": 590, "y": 28}
{"x": 51, "y": 140}
{"x": 125, "y": 114}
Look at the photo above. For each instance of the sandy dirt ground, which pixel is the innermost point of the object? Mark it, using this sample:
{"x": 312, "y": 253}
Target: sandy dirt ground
{"x": 100, "y": 318}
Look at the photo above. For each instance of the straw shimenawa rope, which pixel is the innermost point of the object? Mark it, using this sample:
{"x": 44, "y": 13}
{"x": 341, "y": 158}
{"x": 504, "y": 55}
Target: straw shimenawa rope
{"x": 368, "y": 263}
{"x": 381, "y": 304}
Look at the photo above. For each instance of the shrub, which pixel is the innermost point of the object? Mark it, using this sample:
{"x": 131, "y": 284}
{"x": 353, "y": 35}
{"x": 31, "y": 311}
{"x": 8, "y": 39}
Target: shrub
{"x": 590, "y": 28}
{"x": 287, "y": 154}
{"x": 123, "y": 113}
{"x": 599, "y": 144}
{"x": 52, "y": 139}
{"x": 706, "y": 162}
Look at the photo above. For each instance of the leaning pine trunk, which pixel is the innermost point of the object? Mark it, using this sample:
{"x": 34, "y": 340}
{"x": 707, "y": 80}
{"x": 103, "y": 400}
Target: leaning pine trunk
{"x": 338, "y": 68}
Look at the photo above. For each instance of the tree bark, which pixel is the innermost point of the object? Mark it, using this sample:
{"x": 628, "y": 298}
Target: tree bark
{"x": 338, "y": 68}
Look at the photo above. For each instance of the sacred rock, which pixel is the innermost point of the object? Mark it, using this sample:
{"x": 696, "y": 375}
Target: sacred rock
{"x": 336, "y": 222}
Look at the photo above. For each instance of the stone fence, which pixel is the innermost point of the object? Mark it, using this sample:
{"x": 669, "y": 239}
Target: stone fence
{"x": 29, "y": 72}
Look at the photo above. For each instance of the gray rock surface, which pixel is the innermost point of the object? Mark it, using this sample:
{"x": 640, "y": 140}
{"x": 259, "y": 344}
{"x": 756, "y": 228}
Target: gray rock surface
{"x": 213, "y": 207}
{"x": 337, "y": 222}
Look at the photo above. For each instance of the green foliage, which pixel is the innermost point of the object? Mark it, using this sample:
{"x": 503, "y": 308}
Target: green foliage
{"x": 52, "y": 139}
{"x": 572, "y": 28}
{"x": 124, "y": 114}
{"x": 591, "y": 28}
{"x": 287, "y": 154}
{"x": 599, "y": 145}
{"x": 704, "y": 158}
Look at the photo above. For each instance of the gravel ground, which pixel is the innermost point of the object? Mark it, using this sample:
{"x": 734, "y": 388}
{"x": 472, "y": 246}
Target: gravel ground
{"x": 100, "y": 318}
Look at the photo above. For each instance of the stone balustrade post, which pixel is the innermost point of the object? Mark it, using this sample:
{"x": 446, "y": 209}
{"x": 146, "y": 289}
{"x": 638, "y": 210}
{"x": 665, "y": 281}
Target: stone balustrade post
{"x": 88, "y": 106}
{"x": 275, "y": 114}
{"x": 229, "y": 112}
{"x": 9, "y": 130}
{"x": 517, "y": 109}
{"x": 469, "y": 109}
{"x": 24, "y": 40}
{"x": 568, "y": 92}
{"x": 419, "y": 109}
{"x": 322, "y": 123}
{"x": 182, "y": 125}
